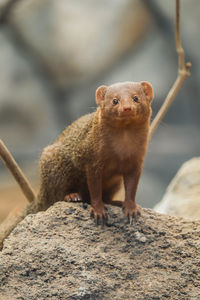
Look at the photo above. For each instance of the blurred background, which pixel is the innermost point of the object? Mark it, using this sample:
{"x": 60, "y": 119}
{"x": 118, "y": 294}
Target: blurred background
{"x": 53, "y": 56}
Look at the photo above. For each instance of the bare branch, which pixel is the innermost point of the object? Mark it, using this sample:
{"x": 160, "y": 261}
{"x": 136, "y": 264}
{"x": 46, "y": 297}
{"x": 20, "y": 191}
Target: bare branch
{"x": 16, "y": 172}
{"x": 183, "y": 72}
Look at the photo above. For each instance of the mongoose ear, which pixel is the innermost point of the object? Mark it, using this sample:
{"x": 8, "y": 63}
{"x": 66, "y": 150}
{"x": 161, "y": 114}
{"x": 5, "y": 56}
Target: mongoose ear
{"x": 100, "y": 94}
{"x": 148, "y": 90}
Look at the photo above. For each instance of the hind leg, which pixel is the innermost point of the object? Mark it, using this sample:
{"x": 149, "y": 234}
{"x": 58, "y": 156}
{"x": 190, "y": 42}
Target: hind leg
{"x": 110, "y": 189}
{"x": 73, "y": 197}
{"x": 56, "y": 174}
{"x": 81, "y": 195}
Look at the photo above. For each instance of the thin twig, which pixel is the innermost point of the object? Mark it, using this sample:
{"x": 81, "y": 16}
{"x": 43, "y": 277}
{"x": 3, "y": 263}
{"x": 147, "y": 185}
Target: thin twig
{"x": 16, "y": 172}
{"x": 183, "y": 72}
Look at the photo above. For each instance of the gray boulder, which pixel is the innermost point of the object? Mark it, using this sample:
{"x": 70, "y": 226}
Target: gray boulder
{"x": 182, "y": 197}
{"x": 77, "y": 40}
{"x": 62, "y": 254}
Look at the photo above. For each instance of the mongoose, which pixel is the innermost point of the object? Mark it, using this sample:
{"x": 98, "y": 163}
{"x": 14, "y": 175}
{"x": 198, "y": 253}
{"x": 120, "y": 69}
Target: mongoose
{"x": 92, "y": 156}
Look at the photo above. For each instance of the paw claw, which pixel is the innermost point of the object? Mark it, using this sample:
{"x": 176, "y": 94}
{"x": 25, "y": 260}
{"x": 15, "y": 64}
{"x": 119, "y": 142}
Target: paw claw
{"x": 130, "y": 219}
{"x": 73, "y": 197}
{"x": 98, "y": 220}
{"x": 131, "y": 211}
{"x": 99, "y": 215}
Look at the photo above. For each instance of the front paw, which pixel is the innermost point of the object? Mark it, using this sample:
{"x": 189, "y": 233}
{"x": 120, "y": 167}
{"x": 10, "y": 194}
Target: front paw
{"x": 99, "y": 214}
{"x": 130, "y": 210}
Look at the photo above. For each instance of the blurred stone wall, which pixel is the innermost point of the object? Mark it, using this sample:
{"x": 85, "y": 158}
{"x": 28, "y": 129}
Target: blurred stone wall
{"x": 52, "y": 48}
{"x": 55, "y": 53}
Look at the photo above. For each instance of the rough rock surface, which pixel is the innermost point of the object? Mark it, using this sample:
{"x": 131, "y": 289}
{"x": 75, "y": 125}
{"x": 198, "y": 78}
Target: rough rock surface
{"x": 61, "y": 254}
{"x": 182, "y": 197}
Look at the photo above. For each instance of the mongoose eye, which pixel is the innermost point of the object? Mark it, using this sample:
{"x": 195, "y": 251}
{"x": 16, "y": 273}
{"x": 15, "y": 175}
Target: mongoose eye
{"x": 135, "y": 98}
{"x": 115, "y": 101}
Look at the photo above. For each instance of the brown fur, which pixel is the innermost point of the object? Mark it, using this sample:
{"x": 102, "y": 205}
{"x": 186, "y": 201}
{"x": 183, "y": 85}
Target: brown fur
{"x": 91, "y": 156}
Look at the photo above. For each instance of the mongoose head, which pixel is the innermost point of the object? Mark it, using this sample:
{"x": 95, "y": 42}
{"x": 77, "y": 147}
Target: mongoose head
{"x": 125, "y": 102}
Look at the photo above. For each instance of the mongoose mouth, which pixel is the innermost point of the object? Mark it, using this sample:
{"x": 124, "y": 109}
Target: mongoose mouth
{"x": 127, "y": 114}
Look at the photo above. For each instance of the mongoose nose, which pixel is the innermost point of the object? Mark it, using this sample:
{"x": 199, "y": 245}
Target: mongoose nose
{"x": 127, "y": 108}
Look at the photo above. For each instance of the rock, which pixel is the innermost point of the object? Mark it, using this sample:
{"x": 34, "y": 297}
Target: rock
{"x": 78, "y": 40}
{"x": 62, "y": 254}
{"x": 26, "y": 116}
{"x": 182, "y": 197}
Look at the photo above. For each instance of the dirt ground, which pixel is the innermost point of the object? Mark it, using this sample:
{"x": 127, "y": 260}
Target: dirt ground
{"x": 11, "y": 196}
